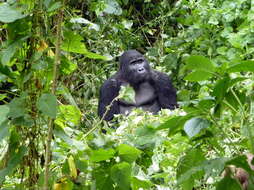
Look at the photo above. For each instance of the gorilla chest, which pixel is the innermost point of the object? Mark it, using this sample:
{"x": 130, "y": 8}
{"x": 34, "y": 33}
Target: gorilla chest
{"x": 145, "y": 98}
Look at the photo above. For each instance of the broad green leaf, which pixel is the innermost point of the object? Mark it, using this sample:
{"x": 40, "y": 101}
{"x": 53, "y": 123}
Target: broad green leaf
{"x": 4, "y": 110}
{"x": 198, "y": 75}
{"x": 9, "y": 14}
{"x": 15, "y": 159}
{"x": 26, "y": 120}
{"x": 73, "y": 43}
{"x": 128, "y": 153}
{"x": 8, "y": 53}
{"x": 102, "y": 155}
{"x": 17, "y": 107}
{"x": 112, "y": 7}
{"x": 228, "y": 183}
{"x": 193, "y": 126}
{"x": 145, "y": 137}
{"x": 221, "y": 88}
{"x": 206, "y": 104}
{"x": 54, "y": 6}
{"x": 197, "y": 62}
{"x": 138, "y": 184}
{"x": 4, "y": 130}
{"x": 189, "y": 168}
{"x": 67, "y": 66}
{"x": 121, "y": 175}
{"x": 241, "y": 67}
{"x": 237, "y": 40}
{"x": 47, "y": 104}
{"x": 173, "y": 124}
{"x": 103, "y": 179}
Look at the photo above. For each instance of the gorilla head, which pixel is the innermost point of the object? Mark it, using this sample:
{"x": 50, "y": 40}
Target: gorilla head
{"x": 134, "y": 67}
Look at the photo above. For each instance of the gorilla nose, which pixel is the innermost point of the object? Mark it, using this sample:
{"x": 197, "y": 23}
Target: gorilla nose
{"x": 141, "y": 70}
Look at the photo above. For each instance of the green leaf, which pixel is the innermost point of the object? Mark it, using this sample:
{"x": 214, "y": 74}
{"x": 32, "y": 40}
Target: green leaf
{"x": 202, "y": 68}
{"x": 47, "y": 104}
{"x": 145, "y": 137}
{"x": 68, "y": 115}
{"x": 15, "y": 159}
{"x": 102, "y": 155}
{"x": 73, "y": 43}
{"x": 138, "y": 184}
{"x": 112, "y": 7}
{"x": 174, "y": 123}
{"x": 17, "y": 107}
{"x": 54, "y": 6}
{"x": 221, "y": 88}
{"x": 121, "y": 175}
{"x": 103, "y": 179}
{"x": 193, "y": 126}
{"x": 4, "y": 130}
{"x": 189, "y": 168}
{"x": 241, "y": 67}
{"x": 198, "y": 75}
{"x": 197, "y": 62}
{"x": 228, "y": 183}
{"x": 9, "y": 14}
{"x": 4, "y": 110}
{"x": 128, "y": 153}
{"x": 8, "y": 53}
{"x": 127, "y": 94}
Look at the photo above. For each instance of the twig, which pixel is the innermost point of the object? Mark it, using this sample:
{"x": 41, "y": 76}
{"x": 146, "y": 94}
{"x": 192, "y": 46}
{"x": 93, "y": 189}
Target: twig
{"x": 104, "y": 115}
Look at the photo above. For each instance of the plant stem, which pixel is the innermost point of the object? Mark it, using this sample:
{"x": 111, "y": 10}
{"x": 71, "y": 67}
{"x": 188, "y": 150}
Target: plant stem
{"x": 53, "y": 90}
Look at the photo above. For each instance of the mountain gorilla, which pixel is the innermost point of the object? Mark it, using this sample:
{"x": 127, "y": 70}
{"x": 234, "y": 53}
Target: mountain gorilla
{"x": 153, "y": 89}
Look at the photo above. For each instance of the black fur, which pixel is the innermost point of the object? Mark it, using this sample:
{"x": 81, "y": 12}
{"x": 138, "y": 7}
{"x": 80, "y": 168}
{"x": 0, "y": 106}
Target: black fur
{"x": 165, "y": 93}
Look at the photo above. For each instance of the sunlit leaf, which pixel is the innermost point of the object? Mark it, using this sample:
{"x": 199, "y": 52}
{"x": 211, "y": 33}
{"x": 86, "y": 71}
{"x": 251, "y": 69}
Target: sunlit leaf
{"x": 112, "y": 7}
{"x": 128, "y": 153}
{"x": 198, "y": 62}
{"x": 9, "y": 14}
{"x": 198, "y": 75}
{"x": 101, "y": 155}
{"x": 190, "y": 168}
{"x": 121, "y": 175}
{"x": 242, "y": 66}
{"x": 68, "y": 115}
{"x": 193, "y": 126}
{"x": 73, "y": 43}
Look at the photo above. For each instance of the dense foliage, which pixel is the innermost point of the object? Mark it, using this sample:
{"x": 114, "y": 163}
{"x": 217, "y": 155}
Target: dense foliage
{"x": 54, "y": 57}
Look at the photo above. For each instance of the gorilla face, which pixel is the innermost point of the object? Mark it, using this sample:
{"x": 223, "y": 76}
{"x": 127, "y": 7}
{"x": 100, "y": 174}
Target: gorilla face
{"x": 134, "y": 67}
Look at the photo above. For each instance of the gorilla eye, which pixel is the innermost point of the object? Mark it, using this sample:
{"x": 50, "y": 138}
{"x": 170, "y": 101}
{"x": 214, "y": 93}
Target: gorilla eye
{"x": 137, "y": 61}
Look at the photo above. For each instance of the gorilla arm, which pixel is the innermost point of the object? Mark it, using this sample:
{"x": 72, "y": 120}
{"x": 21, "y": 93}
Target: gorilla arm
{"x": 164, "y": 89}
{"x": 109, "y": 91}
